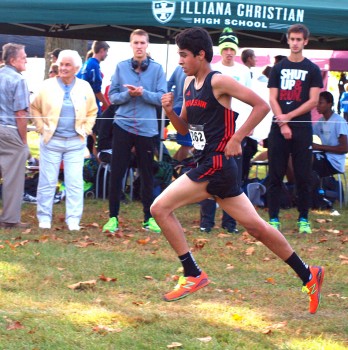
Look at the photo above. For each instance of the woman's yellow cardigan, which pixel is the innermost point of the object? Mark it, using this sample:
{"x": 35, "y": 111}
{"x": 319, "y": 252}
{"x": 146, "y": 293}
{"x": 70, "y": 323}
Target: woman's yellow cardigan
{"x": 47, "y": 104}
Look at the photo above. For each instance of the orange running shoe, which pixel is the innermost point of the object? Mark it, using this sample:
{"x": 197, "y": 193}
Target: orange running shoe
{"x": 313, "y": 287}
{"x": 186, "y": 286}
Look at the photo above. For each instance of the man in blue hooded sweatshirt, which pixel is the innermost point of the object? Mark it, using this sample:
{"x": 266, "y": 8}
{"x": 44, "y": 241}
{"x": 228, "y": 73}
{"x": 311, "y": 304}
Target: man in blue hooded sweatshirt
{"x": 136, "y": 87}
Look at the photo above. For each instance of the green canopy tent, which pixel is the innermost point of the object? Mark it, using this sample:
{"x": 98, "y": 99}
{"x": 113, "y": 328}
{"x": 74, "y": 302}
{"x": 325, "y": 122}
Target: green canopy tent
{"x": 258, "y": 24}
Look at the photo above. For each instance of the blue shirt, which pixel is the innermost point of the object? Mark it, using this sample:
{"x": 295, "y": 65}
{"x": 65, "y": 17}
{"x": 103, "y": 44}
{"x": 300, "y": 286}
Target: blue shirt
{"x": 344, "y": 102}
{"x": 14, "y": 95}
{"x": 329, "y": 131}
{"x": 90, "y": 72}
{"x": 66, "y": 122}
{"x": 138, "y": 115}
{"x": 176, "y": 85}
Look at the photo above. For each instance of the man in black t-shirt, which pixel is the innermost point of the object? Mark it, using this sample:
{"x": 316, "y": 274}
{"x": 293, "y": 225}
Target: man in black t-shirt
{"x": 294, "y": 84}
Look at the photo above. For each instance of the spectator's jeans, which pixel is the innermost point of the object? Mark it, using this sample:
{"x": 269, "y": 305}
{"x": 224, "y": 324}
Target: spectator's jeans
{"x": 71, "y": 150}
{"x": 208, "y": 209}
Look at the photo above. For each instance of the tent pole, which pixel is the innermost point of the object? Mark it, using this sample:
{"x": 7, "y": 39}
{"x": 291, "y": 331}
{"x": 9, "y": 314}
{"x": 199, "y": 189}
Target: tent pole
{"x": 163, "y": 117}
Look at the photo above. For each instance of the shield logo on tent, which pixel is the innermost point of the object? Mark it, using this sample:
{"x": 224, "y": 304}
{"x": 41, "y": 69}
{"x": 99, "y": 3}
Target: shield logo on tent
{"x": 163, "y": 11}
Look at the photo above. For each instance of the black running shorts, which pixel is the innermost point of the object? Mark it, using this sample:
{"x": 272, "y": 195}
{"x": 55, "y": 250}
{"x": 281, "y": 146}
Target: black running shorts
{"x": 220, "y": 172}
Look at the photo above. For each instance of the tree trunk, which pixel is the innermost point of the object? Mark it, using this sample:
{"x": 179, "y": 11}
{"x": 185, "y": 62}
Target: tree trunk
{"x": 73, "y": 44}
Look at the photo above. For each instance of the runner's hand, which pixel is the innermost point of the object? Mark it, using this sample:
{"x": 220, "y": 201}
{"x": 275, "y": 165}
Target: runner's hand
{"x": 167, "y": 101}
{"x": 233, "y": 148}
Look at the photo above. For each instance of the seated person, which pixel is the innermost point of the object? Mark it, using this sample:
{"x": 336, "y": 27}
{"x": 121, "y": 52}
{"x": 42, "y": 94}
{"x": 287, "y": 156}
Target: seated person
{"x": 332, "y": 130}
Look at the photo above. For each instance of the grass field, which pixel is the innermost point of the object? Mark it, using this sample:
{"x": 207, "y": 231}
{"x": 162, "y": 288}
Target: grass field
{"x": 253, "y": 302}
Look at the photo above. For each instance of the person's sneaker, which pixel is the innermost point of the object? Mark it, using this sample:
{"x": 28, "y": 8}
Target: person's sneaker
{"x": 304, "y": 226}
{"x": 313, "y": 287}
{"x": 230, "y": 229}
{"x": 58, "y": 197}
{"x": 151, "y": 225}
{"x": 205, "y": 229}
{"x": 275, "y": 223}
{"x": 111, "y": 226}
{"x": 186, "y": 286}
{"x": 14, "y": 225}
{"x": 27, "y": 198}
{"x": 45, "y": 225}
{"x": 74, "y": 226}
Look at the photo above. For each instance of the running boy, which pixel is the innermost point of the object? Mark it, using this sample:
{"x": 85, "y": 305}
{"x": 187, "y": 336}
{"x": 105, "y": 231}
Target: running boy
{"x": 207, "y": 114}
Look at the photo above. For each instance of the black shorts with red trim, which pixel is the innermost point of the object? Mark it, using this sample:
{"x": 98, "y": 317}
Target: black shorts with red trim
{"x": 220, "y": 172}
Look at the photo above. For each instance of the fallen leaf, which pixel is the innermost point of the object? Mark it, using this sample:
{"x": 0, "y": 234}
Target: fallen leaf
{"x": 333, "y": 295}
{"x": 333, "y": 231}
{"x": 107, "y": 279}
{"x": 143, "y": 241}
{"x": 14, "y": 325}
{"x": 148, "y": 277}
{"x": 250, "y": 251}
{"x": 27, "y": 231}
{"x": 229, "y": 244}
{"x": 174, "y": 345}
{"x": 106, "y": 329}
{"x": 84, "y": 244}
{"x": 322, "y": 221}
{"x": 270, "y": 280}
{"x": 199, "y": 243}
{"x": 83, "y": 285}
{"x": 175, "y": 278}
{"x": 229, "y": 267}
{"x": 279, "y": 325}
{"x": 223, "y": 235}
{"x": 322, "y": 240}
{"x": 205, "y": 339}
{"x": 94, "y": 224}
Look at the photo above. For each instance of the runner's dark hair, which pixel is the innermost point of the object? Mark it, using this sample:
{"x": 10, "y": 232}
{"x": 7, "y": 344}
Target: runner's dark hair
{"x": 195, "y": 40}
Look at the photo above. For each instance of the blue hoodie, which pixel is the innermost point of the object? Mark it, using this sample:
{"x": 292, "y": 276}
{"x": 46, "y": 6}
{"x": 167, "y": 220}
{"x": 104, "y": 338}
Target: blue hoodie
{"x": 138, "y": 115}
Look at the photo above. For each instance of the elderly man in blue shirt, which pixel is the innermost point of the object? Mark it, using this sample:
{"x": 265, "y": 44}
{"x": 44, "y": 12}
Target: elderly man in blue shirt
{"x": 14, "y": 104}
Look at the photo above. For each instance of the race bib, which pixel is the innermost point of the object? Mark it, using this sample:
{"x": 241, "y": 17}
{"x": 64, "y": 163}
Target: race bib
{"x": 197, "y": 136}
